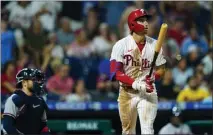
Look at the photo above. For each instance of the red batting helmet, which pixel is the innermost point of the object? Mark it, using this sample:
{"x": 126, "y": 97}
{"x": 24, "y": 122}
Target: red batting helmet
{"x": 135, "y": 14}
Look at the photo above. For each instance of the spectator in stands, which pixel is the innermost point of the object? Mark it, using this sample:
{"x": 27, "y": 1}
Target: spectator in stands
{"x": 52, "y": 65}
{"x": 60, "y": 84}
{"x": 177, "y": 9}
{"x": 114, "y": 12}
{"x": 46, "y": 12}
{"x": 20, "y": 16}
{"x": 53, "y": 48}
{"x": 156, "y": 20}
{"x": 80, "y": 94}
{"x": 203, "y": 11}
{"x": 177, "y": 31}
{"x": 22, "y": 61}
{"x": 51, "y": 51}
{"x": 65, "y": 35}
{"x": 35, "y": 41}
{"x": 193, "y": 57}
{"x": 192, "y": 93}
{"x": 181, "y": 11}
{"x": 171, "y": 49}
{"x": 176, "y": 125}
{"x": 87, "y": 5}
{"x": 123, "y": 26}
{"x": 209, "y": 98}
{"x": 91, "y": 23}
{"x": 113, "y": 37}
{"x": 106, "y": 89}
{"x": 102, "y": 43}
{"x": 7, "y": 42}
{"x": 194, "y": 40}
{"x": 181, "y": 73}
{"x": 20, "y": 41}
{"x": 166, "y": 87}
{"x": 202, "y": 81}
{"x": 207, "y": 63}
{"x": 8, "y": 78}
{"x": 81, "y": 47}
{"x": 165, "y": 8}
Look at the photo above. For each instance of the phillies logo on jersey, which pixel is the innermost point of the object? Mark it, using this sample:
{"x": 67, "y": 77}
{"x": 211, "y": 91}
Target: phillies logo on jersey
{"x": 129, "y": 60}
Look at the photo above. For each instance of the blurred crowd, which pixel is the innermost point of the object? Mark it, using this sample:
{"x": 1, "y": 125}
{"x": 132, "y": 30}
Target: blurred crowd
{"x": 75, "y": 54}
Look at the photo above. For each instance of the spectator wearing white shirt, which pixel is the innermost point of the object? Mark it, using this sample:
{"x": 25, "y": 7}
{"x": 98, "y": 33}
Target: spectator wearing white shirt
{"x": 175, "y": 126}
{"x": 102, "y": 43}
{"x": 181, "y": 73}
{"x": 80, "y": 94}
{"x": 55, "y": 49}
{"x": 47, "y": 12}
{"x": 20, "y": 16}
{"x": 207, "y": 62}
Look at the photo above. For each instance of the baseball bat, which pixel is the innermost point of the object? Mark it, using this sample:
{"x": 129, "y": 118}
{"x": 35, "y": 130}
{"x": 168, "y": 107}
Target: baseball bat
{"x": 159, "y": 44}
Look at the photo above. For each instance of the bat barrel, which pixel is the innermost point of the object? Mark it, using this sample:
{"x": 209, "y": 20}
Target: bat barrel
{"x": 159, "y": 44}
{"x": 161, "y": 36}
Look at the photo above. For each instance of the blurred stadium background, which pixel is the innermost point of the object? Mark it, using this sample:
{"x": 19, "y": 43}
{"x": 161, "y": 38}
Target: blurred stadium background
{"x": 72, "y": 42}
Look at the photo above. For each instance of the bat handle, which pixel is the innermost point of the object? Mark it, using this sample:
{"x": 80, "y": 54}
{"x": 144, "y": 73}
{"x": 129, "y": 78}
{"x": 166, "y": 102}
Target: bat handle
{"x": 150, "y": 72}
{"x": 153, "y": 63}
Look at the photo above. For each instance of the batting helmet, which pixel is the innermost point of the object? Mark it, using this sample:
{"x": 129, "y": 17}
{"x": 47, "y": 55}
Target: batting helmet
{"x": 135, "y": 14}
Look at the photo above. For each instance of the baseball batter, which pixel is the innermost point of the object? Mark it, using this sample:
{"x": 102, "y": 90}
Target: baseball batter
{"x": 130, "y": 64}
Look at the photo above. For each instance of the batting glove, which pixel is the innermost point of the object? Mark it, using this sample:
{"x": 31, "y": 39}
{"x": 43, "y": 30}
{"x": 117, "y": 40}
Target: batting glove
{"x": 149, "y": 84}
{"x": 139, "y": 85}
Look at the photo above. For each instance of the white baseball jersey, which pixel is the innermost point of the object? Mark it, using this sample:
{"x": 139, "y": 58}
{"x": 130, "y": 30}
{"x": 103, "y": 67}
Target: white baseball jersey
{"x": 136, "y": 64}
{"x": 170, "y": 129}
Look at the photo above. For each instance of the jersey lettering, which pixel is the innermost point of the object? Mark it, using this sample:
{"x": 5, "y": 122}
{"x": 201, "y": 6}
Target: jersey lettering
{"x": 146, "y": 63}
{"x": 129, "y": 60}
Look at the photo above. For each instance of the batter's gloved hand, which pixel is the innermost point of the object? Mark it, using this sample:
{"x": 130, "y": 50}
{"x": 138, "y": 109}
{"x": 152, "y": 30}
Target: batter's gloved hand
{"x": 149, "y": 84}
{"x": 139, "y": 85}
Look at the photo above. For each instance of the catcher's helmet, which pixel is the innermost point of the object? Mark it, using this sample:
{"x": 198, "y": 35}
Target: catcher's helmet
{"x": 25, "y": 74}
{"x": 35, "y": 75}
{"x": 135, "y": 14}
